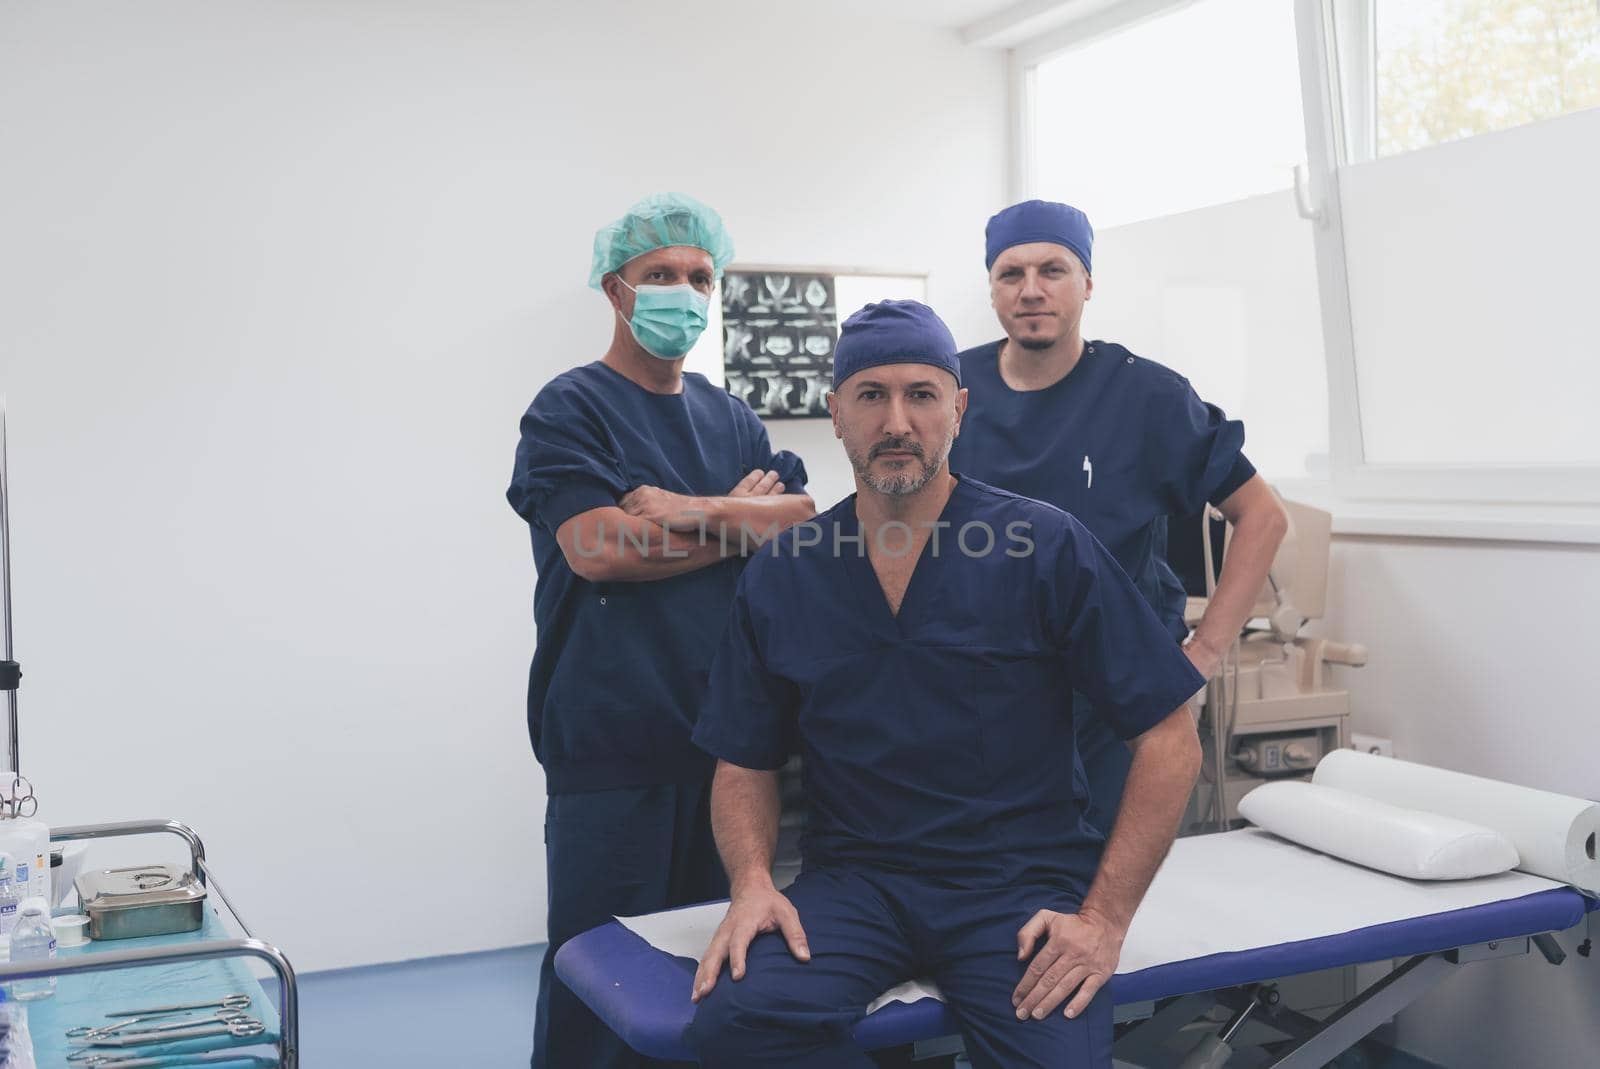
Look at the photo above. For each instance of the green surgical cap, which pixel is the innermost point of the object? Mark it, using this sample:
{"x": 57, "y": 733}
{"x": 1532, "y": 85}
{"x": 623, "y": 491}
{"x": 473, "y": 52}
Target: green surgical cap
{"x": 654, "y": 223}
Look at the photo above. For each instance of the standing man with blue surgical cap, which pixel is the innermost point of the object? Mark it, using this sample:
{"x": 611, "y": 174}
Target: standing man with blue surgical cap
{"x": 1118, "y": 441}
{"x": 919, "y": 643}
{"x": 641, "y": 485}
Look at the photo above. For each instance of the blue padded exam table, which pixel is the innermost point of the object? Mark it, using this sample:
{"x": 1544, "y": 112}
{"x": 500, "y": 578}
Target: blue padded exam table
{"x": 1226, "y": 914}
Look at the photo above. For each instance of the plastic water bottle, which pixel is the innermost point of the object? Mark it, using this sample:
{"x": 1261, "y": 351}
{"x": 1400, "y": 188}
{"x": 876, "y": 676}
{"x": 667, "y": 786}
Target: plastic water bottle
{"x": 10, "y": 900}
{"x": 32, "y": 941}
{"x": 27, "y": 840}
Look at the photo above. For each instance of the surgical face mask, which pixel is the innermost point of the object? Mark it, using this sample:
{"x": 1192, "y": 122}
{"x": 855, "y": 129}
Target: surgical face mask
{"x": 667, "y": 320}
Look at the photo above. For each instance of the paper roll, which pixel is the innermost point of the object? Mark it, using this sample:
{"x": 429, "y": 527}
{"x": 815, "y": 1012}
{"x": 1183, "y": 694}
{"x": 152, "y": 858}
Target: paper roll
{"x": 1554, "y": 834}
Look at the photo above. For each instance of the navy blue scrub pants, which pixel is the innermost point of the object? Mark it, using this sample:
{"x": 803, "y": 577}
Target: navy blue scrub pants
{"x": 615, "y": 853}
{"x": 1106, "y": 760}
{"x": 870, "y": 931}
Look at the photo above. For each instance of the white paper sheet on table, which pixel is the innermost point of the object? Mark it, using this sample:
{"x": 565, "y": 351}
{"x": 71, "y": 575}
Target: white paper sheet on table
{"x": 1216, "y": 894}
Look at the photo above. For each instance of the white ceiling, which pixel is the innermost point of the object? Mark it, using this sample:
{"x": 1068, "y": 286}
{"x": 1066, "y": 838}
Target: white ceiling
{"x": 952, "y": 14}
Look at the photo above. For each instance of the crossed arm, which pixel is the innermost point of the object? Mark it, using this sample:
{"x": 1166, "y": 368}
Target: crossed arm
{"x": 656, "y": 534}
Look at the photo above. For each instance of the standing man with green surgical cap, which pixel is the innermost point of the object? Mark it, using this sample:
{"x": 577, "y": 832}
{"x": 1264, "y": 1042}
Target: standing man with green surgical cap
{"x": 641, "y": 486}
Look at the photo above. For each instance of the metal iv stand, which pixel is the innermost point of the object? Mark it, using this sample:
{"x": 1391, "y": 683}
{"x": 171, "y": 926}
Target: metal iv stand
{"x": 10, "y": 671}
{"x": 288, "y": 1041}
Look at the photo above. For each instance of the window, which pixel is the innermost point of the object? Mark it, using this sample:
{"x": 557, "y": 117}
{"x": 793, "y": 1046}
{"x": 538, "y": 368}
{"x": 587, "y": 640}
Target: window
{"x": 1196, "y": 107}
{"x": 1443, "y": 347}
{"x": 1178, "y": 136}
{"x": 1426, "y": 72}
{"x": 1465, "y": 214}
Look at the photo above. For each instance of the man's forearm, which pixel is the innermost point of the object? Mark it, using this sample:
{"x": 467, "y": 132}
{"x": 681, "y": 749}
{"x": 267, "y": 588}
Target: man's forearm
{"x": 1166, "y": 761}
{"x": 1258, "y": 529}
{"x": 759, "y": 518}
{"x": 744, "y": 819}
{"x": 654, "y": 552}
{"x": 608, "y": 545}
{"x": 726, "y": 527}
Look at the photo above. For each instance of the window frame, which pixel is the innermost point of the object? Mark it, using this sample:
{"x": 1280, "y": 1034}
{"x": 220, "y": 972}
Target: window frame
{"x": 1328, "y": 149}
{"x": 1330, "y": 146}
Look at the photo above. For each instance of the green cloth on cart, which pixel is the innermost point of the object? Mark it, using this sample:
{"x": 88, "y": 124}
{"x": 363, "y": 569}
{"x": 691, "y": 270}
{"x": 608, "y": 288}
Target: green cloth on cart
{"x": 86, "y": 998}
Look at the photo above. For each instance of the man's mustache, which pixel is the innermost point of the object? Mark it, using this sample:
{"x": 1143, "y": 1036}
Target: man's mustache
{"x": 895, "y": 445}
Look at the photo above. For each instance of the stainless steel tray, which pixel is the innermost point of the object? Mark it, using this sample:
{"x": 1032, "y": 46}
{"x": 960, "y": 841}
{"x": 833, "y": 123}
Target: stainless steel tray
{"x": 142, "y": 900}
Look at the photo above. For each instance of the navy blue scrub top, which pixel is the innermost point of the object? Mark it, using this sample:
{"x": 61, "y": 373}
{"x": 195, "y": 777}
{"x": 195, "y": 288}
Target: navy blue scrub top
{"x": 940, "y": 741}
{"x": 619, "y": 670}
{"x": 1121, "y": 443}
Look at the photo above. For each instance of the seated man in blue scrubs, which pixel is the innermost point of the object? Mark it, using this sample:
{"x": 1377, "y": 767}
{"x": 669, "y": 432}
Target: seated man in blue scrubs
{"x": 1119, "y": 441}
{"x": 629, "y": 472}
{"x": 919, "y": 644}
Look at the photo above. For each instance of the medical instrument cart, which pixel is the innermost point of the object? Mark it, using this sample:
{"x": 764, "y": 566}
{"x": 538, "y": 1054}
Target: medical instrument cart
{"x": 219, "y": 958}
{"x": 208, "y": 963}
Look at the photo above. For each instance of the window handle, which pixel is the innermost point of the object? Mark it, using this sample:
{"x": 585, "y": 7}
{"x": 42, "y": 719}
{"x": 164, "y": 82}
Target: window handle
{"x": 1302, "y": 195}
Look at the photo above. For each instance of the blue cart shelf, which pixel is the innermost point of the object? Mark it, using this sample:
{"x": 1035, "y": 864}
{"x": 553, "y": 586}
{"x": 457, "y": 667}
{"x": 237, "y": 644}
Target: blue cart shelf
{"x": 103, "y": 977}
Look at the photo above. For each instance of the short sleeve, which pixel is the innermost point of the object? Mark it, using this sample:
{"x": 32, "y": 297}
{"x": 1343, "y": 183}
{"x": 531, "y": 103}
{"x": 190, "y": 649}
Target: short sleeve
{"x": 1117, "y": 652}
{"x": 790, "y": 468}
{"x": 1201, "y": 451}
{"x": 749, "y": 713}
{"x": 566, "y": 464}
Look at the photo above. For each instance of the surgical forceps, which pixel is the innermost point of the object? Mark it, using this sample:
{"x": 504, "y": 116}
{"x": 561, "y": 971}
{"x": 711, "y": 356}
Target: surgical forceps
{"x": 227, "y": 1002}
{"x": 126, "y": 1026}
{"x": 119, "y": 1060}
{"x": 245, "y": 1029}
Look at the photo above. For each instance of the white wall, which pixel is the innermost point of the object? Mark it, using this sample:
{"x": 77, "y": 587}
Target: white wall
{"x": 1227, "y": 295}
{"x": 1472, "y": 286}
{"x": 1481, "y": 660}
{"x": 279, "y": 280}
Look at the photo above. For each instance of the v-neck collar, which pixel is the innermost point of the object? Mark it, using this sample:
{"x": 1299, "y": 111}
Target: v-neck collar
{"x": 864, "y": 580}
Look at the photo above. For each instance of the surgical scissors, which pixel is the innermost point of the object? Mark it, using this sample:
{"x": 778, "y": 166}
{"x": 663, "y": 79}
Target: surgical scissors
{"x": 227, "y": 1002}
{"x": 120, "y": 1060}
{"x": 126, "y": 1026}
{"x": 245, "y": 1029}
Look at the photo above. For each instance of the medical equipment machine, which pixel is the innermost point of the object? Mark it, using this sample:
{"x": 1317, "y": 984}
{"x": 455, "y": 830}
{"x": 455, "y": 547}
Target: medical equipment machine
{"x": 1273, "y": 711}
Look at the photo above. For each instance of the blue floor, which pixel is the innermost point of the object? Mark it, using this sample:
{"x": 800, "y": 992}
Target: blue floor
{"x": 474, "y": 1010}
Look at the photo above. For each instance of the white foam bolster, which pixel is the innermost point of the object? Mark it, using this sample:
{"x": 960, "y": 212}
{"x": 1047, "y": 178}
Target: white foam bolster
{"x": 1554, "y": 834}
{"x": 1389, "y": 838}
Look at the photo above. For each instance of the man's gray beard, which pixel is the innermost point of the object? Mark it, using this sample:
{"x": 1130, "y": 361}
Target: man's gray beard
{"x": 902, "y": 484}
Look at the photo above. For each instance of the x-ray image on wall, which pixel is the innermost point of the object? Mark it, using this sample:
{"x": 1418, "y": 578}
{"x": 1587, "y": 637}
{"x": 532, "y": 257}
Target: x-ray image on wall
{"x": 778, "y": 334}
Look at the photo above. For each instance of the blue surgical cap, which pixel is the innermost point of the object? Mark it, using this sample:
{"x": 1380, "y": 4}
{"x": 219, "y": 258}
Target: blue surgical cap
{"x": 894, "y": 332}
{"x": 656, "y": 222}
{"x": 1039, "y": 220}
